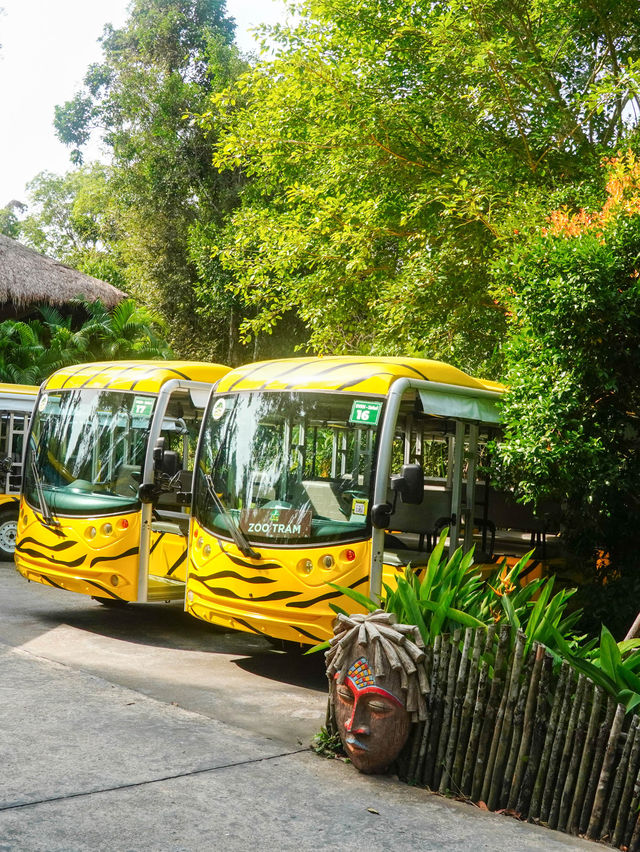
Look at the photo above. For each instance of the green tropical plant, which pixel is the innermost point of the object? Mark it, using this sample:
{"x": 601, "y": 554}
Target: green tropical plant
{"x": 128, "y": 331}
{"x": 32, "y": 350}
{"x": 327, "y": 744}
{"x": 530, "y": 607}
{"x": 614, "y": 666}
{"x": 451, "y": 593}
{"x": 22, "y": 352}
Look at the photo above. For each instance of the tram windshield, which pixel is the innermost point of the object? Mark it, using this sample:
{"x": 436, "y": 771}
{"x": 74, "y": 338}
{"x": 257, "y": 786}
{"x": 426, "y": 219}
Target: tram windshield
{"x": 86, "y": 451}
{"x": 288, "y": 468}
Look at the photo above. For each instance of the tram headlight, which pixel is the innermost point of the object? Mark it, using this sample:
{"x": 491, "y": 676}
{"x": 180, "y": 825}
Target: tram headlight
{"x": 305, "y": 567}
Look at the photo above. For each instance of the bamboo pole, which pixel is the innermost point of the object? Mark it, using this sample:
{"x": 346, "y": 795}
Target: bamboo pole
{"x": 596, "y": 766}
{"x": 634, "y": 814}
{"x": 519, "y": 797}
{"x": 518, "y": 721}
{"x": 593, "y": 830}
{"x": 540, "y": 722}
{"x": 556, "y": 748}
{"x": 506, "y": 734}
{"x": 634, "y": 842}
{"x": 441, "y": 776}
{"x": 541, "y": 775}
{"x": 491, "y": 712}
{"x": 570, "y": 784}
{"x": 623, "y": 772}
{"x": 435, "y": 668}
{"x": 436, "y": 714}
{"x": 414, "y": 756}
{"x": 631, "y": 775}
{"x": 406, "y": 756}
{"x": 456, "y": 713}
{"x": 585, "y": 761}
{"x": 563, "y": 768}
{"x": 478, "y": 715}
{"x": 466, "y": 716}
{"x": 495, "y": 735}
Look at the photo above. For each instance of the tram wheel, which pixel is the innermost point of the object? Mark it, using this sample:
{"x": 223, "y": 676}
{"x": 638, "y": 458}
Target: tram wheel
{"x": 113, "y": 603}
{"x": 8, "y": 532}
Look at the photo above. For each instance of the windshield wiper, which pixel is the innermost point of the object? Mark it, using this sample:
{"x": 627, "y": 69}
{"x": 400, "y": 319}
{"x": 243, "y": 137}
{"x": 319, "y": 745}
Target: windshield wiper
{"x": 242, "y": 542}
{"x": 47, "y": 515}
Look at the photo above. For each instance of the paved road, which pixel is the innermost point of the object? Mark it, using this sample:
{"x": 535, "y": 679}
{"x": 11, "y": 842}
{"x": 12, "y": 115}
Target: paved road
{"x": 106, "y": 744}
{"x": 164, "y": 653}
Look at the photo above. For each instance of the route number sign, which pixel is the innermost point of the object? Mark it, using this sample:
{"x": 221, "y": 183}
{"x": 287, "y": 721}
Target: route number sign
{"x": 365, "y": 413}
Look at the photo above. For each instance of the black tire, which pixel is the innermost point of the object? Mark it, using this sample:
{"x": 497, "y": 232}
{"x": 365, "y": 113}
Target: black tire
{"x": 8, "y": 532}
{"x": 114, "y": 603}
{"x": 295, "y": 649}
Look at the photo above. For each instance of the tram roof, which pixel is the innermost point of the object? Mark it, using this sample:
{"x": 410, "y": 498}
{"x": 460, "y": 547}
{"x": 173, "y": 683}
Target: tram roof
{"x": 142, "y": 376}
{"x": 7, "y": 390}
{"x": 347, "y": 374}
{"x": 17, "y": 398}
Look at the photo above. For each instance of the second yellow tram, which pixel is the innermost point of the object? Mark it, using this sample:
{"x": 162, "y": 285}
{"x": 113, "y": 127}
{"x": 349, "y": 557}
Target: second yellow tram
{"x": 110, "y": 452}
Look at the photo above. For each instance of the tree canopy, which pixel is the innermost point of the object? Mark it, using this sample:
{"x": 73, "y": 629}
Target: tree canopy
{"x": 166, "y": 60}
{"x": 393, "y": 150}
{"x": 571, "y": 361}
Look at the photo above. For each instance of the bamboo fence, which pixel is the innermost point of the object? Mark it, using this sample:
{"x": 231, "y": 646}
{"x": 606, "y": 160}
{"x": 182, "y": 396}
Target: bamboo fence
{"x": 508, "y": 727}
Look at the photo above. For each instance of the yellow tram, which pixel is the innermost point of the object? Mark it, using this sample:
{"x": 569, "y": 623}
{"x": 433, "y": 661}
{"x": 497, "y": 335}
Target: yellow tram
{"x": 109, "y": 459}
{"x": 16, "y": 407}
{"x": 338, "y": 470}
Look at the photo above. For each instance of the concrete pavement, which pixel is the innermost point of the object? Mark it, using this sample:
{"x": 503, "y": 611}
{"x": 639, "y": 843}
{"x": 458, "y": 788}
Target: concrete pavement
{"x": 92, "y": 765}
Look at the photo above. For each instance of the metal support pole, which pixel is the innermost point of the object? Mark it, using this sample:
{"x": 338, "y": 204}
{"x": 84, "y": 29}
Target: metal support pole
{"x": 472, "y": 465}
{"x": 456, "y": 490}
{"x": 383, "y": 471}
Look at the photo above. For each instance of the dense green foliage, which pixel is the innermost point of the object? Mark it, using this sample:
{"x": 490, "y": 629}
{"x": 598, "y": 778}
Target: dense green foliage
{"x": 165, "y": 61}
{"x": 9, "y": 221}
{"x": 572, "y": 359}
{"x": 32, "y": 350}
{"x": 73, "y": 218}
{"x": 393, "y": 150}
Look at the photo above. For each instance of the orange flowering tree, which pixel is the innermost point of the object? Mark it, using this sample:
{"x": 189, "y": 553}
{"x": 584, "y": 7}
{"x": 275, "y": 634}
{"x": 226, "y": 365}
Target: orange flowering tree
{"x": 573, "y": 362}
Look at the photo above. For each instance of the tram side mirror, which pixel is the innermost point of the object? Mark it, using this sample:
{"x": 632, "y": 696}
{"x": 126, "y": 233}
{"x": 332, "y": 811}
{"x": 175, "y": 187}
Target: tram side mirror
{"x": 147, "y": 492}
{"x": 381, "y": 515}
{"x": 170, "y": 463}
{"x": 165, "y": 461}
{"x": 409, "y": 484}
{"x": 158, "y": 453}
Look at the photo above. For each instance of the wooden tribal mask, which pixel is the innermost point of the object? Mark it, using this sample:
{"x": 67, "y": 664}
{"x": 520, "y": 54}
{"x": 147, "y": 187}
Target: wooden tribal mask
{"x": 377, "y": 687}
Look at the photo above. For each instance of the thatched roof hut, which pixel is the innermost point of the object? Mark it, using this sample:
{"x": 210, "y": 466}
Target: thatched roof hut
{"x": 28, "y": 279}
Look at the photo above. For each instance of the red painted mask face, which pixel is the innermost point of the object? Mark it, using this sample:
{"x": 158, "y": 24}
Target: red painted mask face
{"x": 372, "y": 720}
